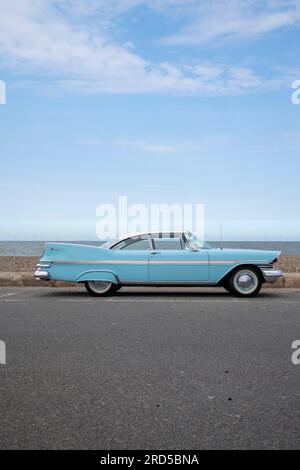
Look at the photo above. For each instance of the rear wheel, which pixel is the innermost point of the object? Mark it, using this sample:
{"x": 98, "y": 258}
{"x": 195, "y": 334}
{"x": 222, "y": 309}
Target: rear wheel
{"x": 100, "y": 288}
{"x": 244, "y": 282}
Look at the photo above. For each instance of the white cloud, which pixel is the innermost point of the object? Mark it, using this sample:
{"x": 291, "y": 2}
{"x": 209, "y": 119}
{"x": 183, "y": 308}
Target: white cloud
{"x": 236, "y": 19}
{"x": 149, "y": 147}
{"x": 152, "y": 147}
{"x": 71, "y": 43}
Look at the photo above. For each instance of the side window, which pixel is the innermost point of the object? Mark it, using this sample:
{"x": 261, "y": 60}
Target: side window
{"x": 133, "y": 244}
{"x": 167, "y": 243}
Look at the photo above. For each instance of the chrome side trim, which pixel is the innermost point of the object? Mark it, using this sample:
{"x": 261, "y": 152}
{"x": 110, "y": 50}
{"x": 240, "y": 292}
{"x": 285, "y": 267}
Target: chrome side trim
{"x": 179, "y": 262}
{"x": 271, "y": 275}
{"x": 167, "y": 262}
{"x": 98, "y": 262}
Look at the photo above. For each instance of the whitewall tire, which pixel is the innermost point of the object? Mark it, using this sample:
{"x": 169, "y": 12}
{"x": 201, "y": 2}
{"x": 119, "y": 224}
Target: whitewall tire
{"x": 100, "y": 288}
{"x": 244, "y": 282}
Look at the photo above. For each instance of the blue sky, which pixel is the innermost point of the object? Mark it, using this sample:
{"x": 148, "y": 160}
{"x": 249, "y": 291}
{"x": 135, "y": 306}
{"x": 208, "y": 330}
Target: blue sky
{"x": 163, "y": 101}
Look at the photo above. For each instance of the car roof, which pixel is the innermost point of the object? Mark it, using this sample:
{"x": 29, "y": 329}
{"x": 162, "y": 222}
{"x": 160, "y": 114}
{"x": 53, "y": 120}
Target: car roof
{"x": 152, "y": 234}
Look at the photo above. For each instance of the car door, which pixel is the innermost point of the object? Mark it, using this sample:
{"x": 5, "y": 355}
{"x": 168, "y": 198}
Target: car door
{"x": 169, "y": 262}
{"x": 130, "y": 260}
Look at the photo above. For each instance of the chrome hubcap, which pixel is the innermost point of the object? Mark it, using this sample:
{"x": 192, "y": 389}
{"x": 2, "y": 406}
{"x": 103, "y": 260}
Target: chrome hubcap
{"x": 245, "y": 282}
{"x": 100, "y": 286}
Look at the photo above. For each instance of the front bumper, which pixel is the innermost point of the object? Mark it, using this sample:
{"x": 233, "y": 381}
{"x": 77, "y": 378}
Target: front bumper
{"x": 271, "y": 275}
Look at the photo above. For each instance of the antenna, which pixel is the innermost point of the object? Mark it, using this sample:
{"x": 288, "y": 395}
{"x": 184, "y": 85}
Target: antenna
{"x": 221, "y": 236}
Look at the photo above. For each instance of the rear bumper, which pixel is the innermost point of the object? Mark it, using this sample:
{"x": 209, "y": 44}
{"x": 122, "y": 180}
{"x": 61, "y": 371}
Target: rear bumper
{"x": 271, "y": 275}
{"x": 41, "y": 274}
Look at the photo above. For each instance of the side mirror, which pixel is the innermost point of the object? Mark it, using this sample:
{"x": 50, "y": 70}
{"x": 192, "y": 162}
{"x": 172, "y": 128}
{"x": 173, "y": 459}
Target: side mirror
{"x": 193, "y": 247}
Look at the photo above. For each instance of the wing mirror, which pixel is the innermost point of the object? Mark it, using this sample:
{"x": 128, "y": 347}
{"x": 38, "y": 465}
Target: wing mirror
{"x": 194, "y": 247}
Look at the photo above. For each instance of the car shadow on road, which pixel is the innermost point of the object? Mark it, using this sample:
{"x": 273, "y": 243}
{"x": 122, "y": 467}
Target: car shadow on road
{"x": 149, "y": 292}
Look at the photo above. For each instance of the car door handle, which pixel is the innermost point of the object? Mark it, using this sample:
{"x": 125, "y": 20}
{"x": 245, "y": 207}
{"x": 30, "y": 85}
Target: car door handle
{"x": 155, "y": 252}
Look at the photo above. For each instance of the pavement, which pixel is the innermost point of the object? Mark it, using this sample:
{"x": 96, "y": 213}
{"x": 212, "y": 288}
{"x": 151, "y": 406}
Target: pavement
{"x": 149, "y": 369}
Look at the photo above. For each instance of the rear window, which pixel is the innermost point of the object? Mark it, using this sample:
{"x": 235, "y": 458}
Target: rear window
{"x": 133, "y": 244}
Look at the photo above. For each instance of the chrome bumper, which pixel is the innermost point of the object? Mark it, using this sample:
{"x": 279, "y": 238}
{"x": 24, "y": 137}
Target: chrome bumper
{"x": 271, "y": 275}
{"x": 40, "y": 274}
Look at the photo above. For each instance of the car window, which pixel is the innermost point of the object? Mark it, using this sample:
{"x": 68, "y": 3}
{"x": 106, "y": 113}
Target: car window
{"x": 167, "y": 243}
{"x": 133, "y": 244}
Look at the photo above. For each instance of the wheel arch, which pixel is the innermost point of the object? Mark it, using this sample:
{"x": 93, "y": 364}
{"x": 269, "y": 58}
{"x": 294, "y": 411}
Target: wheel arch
{"x": 96, "y": 275}
{"x": 227, "y": 275}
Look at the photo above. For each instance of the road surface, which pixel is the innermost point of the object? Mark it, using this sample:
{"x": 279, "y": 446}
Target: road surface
{"x": 149, "y": 369}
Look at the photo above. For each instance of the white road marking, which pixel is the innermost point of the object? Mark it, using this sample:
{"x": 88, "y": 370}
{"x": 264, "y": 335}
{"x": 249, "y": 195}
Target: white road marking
{"x": 284, "y": 301}
{"x": 212, "y": 300}
{"x": 15, "y": 293}
{"x": 155, "y": 300}
{"x": 7, "y": 295}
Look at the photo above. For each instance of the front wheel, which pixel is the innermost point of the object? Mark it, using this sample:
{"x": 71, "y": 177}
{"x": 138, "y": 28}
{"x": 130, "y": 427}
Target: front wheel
{"x": 244, "y": 282}
{"x": 100, "y": 288}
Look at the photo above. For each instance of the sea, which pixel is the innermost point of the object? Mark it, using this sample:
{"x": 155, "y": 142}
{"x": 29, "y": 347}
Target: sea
{"x": 35, "y": 248}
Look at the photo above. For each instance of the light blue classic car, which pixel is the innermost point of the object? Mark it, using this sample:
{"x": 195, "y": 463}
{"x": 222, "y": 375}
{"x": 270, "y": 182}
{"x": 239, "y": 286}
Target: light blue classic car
{"x": 158, "y": 259}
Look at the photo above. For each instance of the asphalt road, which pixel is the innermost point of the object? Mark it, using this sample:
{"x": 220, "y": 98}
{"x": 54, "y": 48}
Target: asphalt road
{"x": 149, "y": 369}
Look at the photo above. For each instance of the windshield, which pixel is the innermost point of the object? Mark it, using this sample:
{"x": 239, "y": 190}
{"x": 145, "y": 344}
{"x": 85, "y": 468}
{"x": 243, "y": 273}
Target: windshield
{"x": 196, "y": 242}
